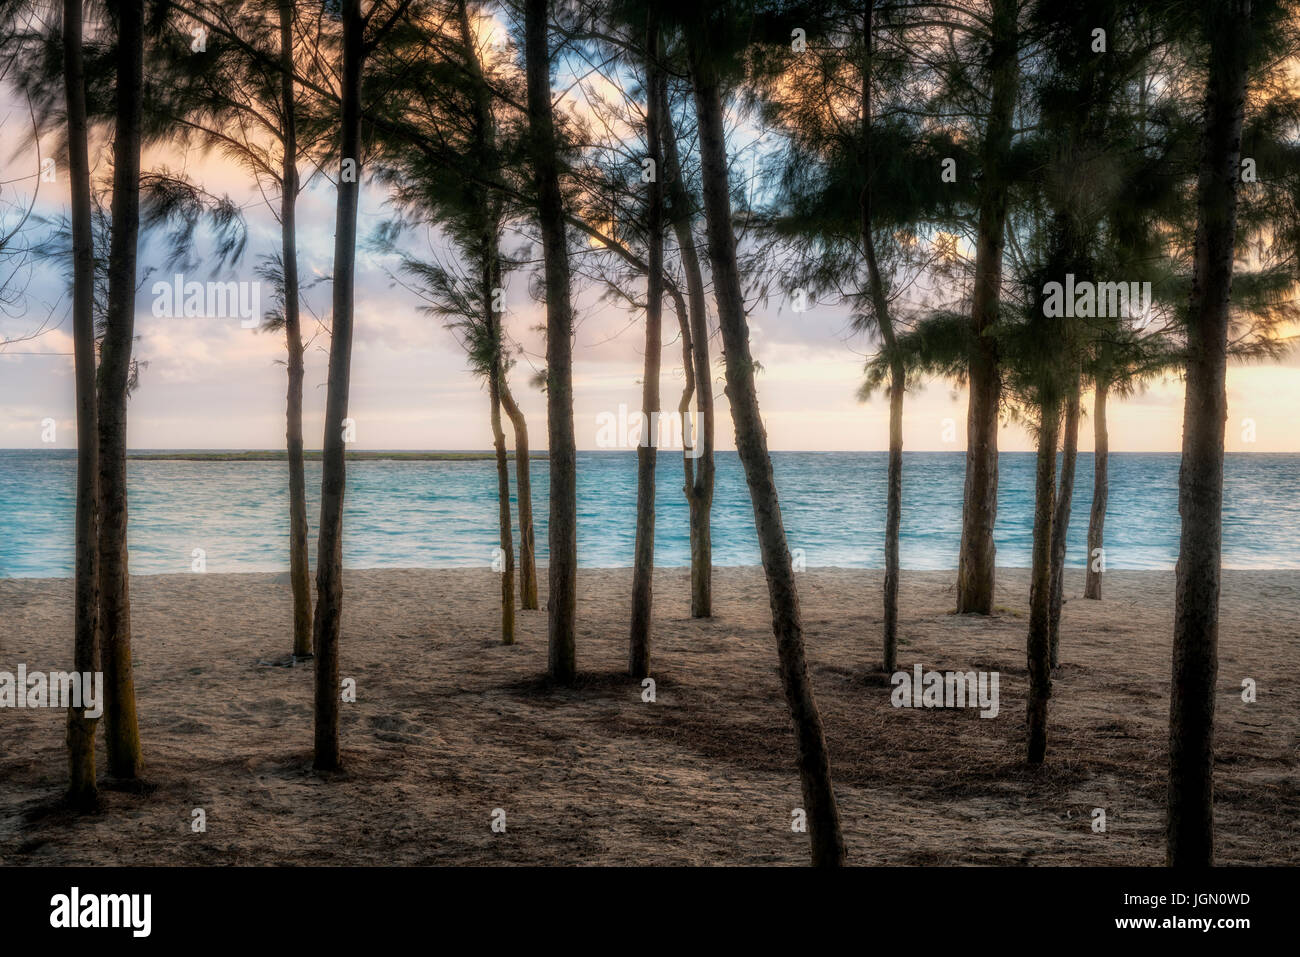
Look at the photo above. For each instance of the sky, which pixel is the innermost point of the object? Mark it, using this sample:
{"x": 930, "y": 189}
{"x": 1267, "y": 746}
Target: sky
{"x": 209, "y": 383}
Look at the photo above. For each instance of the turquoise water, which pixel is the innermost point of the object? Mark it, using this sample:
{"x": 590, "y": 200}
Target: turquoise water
{"x": 443, "y": 514}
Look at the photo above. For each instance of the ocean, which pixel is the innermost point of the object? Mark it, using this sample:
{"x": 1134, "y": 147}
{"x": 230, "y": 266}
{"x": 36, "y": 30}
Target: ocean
{"x": 442, "y": 514}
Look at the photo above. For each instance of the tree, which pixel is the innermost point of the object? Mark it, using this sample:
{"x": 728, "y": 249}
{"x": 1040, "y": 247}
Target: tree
{"x": 82, "y": 789}
{"x": 751, "y": 442}
{"x": 329, "y": 554}
{"x": 121, "y": 729}
{"x": 563, "y": 525}
{"x": 698, "y": 461}
{"x": 299, "y": 571}
{"x": 976, "y": 565}
{"x": 897, "y": 371}
{"x": 644, "y": 553}
{"x": 1190, "y": 823}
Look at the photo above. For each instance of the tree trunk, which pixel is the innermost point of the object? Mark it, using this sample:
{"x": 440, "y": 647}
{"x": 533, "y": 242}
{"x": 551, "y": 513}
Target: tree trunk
{"x": 299, "y": 570}
{"x": 647, "y": 451}
{"x": 976, "y": 567}
{"x": 1038, "y": 645}
{"x": 897, "y": 373}
{"x": 329, "y": 548}
{"x": 503, "y": 496}
{"x": 699, "y": 464}
{"x": 491, "y": 282}
{"x": 524, "y": 492}
{"x": 1061, "y": 520}
{"x": 751, "y": 445}
{"x": 1200, "y": 481}
{"x": 121, "y": 728}
{"x": 1100, "y": 492}
{"x": 561, "y": 603}
{"x": 82, "y": 793}
{"x": 488, "y": 251}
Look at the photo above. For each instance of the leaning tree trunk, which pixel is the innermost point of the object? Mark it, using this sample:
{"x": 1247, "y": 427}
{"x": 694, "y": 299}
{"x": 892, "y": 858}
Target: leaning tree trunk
{"x": 751, "y": 445}
{"x": 1061, "y": 520}
{"x": 82, "y": 791}
{"x": 643, "y": 562}
{"x": 976, "y": 566}
{"x": 1200, "y": 481}
{"x": 524, "y": 493}
{"x": 121, "y": 728}
{"x": 699, "y": 463}
{"x": 1100, "y": 493}
{"x": 299, "y": 570}
{"x": 1039, "y": 645}
{"x": 897, "y": 372}
{"x": 561, "y": 603}
{"x": 329, "y": 548}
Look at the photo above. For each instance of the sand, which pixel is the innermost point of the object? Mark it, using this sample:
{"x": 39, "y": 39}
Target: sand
{"x": 449, "y": 725}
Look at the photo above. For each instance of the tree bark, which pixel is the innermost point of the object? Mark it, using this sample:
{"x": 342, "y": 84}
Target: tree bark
{"x": 299, "y": 569}
{"x": 976, "y": 567}
{"x": 329, "y": 549}
{"x": 562, "y": 531}
{"x": 1061, "y": 520}
{"x": 82, "y": 790}
{"x": 700, "y": 469}
{"x": 1038, "y": 644}
{"x": 121, "y": 728}
{"x": 647, "y": 451}
{"x": 1100, "y": 491}
{"x": 1190, "y": 827}
{"x": 524, "y": 492}
{"x": 751, "y": 445}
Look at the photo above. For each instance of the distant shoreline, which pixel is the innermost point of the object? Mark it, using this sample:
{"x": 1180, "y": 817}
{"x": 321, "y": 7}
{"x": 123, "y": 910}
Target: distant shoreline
{"x": 313, "y": 455}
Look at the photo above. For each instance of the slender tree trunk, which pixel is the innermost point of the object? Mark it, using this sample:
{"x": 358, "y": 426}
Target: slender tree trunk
{"x": 488, "y": 251}
{"x": 299, "y": 570}
{"x": 82, "y": 792}
{"x": 121, "y": 728}
{"x": 485, "y": 144}
{"x": 524, "y": 492}
{"x": 561, "y": 603}
{"x": 689, "y": 449}
{"x": 1100, "y": 492}
{"x": 492, "y": 280}
{"x": 647, "y": 451}
{"x": 699, "y": 463}
{"x": 1200, "y": 481}
{"x": 978, "y": 558}
{"x": 329, "y": 548}
{"x": 751, "y": 445}
{"x": 1061, "y": 520}
{"x": 897, "y": 373}
{"x": 1039, "y": 645}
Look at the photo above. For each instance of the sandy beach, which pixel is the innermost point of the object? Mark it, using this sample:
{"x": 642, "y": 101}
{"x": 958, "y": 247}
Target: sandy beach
{"x": 449, "y": 725}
